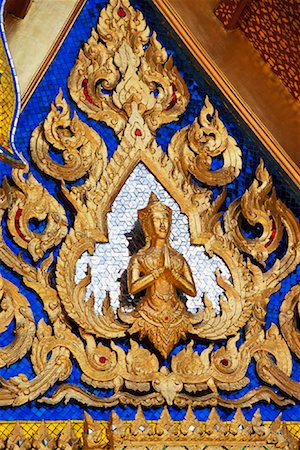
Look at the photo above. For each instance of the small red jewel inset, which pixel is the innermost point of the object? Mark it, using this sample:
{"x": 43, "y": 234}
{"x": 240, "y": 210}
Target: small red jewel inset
{"x": 166, "y": 318}
{"x": 174, "y": 98}
{"x": 273, "y": 235}
{"x": 17, "y": 225}
{"x": 225, "y": 362}
{"x": 86, "y": 92}
{"x": 138, "y": 132}
{"x": 102, "y": 359}
{"x": 121, "y": 12}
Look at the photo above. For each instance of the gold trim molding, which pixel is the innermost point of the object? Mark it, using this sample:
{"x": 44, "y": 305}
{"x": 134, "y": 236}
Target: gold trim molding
{"x": 132, "y": 64}
{"x": 165, "y": 433}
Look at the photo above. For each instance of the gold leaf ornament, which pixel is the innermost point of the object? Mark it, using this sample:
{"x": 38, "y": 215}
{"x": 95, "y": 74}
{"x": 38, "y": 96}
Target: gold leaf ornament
{"x": 258, "y": 205}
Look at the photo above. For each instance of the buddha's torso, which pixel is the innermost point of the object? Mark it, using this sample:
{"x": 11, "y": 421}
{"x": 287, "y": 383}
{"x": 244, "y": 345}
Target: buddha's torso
{"x": 152, "y": 259}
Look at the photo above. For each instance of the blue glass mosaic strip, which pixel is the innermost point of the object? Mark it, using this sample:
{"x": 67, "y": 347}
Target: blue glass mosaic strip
{"x": 199, "y": 85}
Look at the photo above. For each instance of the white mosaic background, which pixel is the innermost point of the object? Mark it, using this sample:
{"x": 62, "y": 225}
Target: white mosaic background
{"x": 111, "y": 260}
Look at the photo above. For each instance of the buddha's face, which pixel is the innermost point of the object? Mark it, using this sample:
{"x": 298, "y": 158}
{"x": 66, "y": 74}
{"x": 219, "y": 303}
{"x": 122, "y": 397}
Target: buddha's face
{"x": 160, "y": 224}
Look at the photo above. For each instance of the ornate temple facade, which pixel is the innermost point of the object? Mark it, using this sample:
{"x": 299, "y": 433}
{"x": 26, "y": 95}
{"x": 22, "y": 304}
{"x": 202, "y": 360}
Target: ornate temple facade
{"x": 149, "y": 256}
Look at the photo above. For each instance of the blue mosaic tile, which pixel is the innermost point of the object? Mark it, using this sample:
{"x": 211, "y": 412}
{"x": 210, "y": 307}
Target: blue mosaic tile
{"x": 199, "y": 85}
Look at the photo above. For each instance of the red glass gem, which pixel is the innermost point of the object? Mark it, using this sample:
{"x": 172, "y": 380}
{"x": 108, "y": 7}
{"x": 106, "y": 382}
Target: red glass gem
{"x": 225, "y": 362}
{"x": 17, "y": 225}
{"x": 273, "y": 235}
{"x": 138, "y": 132}
{"x": 166, "y": 318}
{"x": 121, "y": 12}
{"x": 174, "y": 98}
{"x": 102, "y": 359}
{"x": 86, "y": 92}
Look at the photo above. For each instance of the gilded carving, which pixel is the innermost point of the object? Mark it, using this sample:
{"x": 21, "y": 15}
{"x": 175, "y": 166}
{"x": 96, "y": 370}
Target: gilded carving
{"x": 161, "y": 316}
{"x": 42, "y": 439}
{"x": 14, "y": 306}
{"x": 28, "y": 201}
{"x": 144, "y": 83}
{"x": 191, "y": 434}
{"x": 68, "y": 440}
{"x": 165, "y": 433}
{"x": 17, "y": 439}
{"x": 195, "y": 147}
{"x": 259, "y": 206}
{"x": 288, "y": 319}
{"x": 146, "y": 91}
{"x": 82, "y": 149}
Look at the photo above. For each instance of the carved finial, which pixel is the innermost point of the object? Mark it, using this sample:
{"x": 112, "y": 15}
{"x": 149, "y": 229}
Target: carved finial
{"x": 258, "y": 427}
{"x": 117, "y": 427}
{"x": 140, "y": 425}
{"x": 214, "y": 425}
{"x": 94, "y": 435}
{"x": 276, "y": 425}
{"x": 239, "y": 426}
{"x": 42, "y": 439}
{"x": 190, "y": 425}
{"x": 166, "y": 425}
{"x": 68, "y": 440}
{"x": 17, "y": 439}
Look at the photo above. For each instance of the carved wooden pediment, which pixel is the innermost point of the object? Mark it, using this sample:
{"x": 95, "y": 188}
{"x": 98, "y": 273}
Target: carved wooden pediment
{"x": 188, "y": 273}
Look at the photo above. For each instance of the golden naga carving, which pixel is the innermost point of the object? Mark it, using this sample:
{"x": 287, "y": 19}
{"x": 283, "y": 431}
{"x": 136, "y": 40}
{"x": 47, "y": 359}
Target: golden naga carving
{"x": 146, "y": 92}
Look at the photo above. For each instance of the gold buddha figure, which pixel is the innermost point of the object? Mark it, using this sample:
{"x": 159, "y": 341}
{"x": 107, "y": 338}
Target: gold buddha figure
{"x": 159, "y": 270}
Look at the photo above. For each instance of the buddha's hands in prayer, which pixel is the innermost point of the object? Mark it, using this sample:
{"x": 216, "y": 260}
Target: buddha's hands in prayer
{"x": 168, "y": 266}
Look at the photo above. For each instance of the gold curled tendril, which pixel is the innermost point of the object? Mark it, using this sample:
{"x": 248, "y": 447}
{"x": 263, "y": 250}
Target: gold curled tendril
{"x": 259, "y": 206}
{"x": 83, "y": 151}
{"x": 14, "y": 306}
{"x": 29, "y": 201}
{"x": 195, "y": 147}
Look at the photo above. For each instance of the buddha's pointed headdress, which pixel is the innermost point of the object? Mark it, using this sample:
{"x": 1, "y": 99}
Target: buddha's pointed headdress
{"x": 145, "y": 214}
